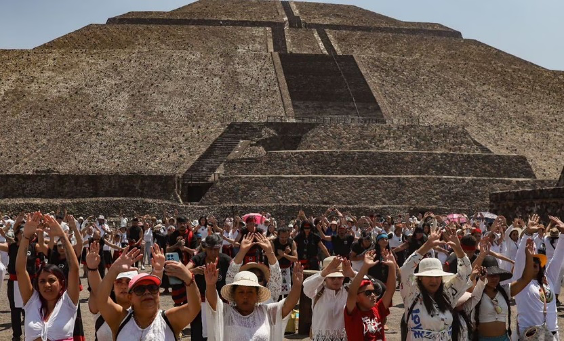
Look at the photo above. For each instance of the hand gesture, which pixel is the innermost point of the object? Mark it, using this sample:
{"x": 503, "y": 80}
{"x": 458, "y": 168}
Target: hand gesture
{"x": 332, "y": 267}
{"x": 389, "y": 258}
{"x": 369, "y": 260}
{"x": 126, "y": 260}
{"x": 158, "y": 259}
{"x": 484, "y": 246}
{"x": 557, "y": 222}
{"x": 55, "y": 229}
{"x": 533, "y": 221}
{"x": 452, "y": 239}
{"x": 263, "y": 242}
{"x": 530, "y": 247}
{"x": 178, "y": 270}
{"x": 32, "y": 221}
{"x": 480, "y": 271}
{"x": 247, "y": 243}
{"x": 211, "y": 274}
{"x": 347, "y": 268}
{"x": 71, "y": 221}
{"x": 199, "y": 270}
{"x": 93, "y": 255}
{"x": 297, "y": 274}
{"x": 434, "y": 239}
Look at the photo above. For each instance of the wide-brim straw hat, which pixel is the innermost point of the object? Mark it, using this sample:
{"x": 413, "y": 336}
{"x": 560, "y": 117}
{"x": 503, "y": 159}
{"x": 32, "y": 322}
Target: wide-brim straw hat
{"x": 263, "y": 268}
{"x": 338, "y": 271}
{"x": 245, "y": 279}
{"x": 432, "y": 267}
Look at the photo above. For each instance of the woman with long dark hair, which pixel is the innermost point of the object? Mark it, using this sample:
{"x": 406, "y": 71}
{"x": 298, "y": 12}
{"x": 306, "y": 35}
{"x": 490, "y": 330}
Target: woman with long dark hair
{"x": 536, "y": 303}
{"x": 50, "y": 303}
{"x": 492, "y": 313}
{"x": 430, "y": 295}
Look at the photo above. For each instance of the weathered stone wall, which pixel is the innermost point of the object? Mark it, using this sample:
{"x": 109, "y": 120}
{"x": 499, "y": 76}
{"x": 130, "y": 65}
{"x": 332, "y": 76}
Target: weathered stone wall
{"x": 544, "y": 202}
{"x": 110, "y": 207}
{"x": 164, "y": 37}
{"x": 472, "y": 193}
{"x": 505, "y": 103}
{"x": 382, "y": 163}
{"x": 390, "y": 137}
{"x": 561, "y": 180}
{"x": 86, "y": 186}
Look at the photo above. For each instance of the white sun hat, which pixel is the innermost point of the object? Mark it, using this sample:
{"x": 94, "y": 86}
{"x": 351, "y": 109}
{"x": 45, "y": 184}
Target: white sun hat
{"x": 432, "y": 267}
{"x": 246, "y": 279}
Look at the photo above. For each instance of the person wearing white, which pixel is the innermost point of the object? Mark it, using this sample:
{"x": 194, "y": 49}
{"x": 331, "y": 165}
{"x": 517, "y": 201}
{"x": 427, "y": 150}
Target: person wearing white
{"x": 431, "y": 284}
{"x": 248, "y": 319}
{"x": 50, "y": 310}
{"x": 512, "y": 236}
{"x": 144, "y": 320}
{"x": 538, "y": 297}
{"x": 329, "y": 298}
{"x": 272, "y": 276}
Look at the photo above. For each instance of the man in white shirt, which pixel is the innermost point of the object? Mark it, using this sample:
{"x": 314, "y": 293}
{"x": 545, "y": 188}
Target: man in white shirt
{"x": 328, "y": 298}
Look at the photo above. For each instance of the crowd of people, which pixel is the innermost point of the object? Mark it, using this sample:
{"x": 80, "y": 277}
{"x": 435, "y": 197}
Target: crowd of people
{"x": 240, "y": 278}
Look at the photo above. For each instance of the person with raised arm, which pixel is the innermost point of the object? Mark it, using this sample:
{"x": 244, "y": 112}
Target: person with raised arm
{"x": 248, "y": 318}
{"x": 50, "y": 302}
{"x": 329, "y": 297}
{"x": 430, "y": 295}
{"x": 144, "y": 320}
{"x": 365, "y": 314}
{"x": 270, "y": 276}
{"x": 119, "y": 295}
{"x": 536, "y": 303}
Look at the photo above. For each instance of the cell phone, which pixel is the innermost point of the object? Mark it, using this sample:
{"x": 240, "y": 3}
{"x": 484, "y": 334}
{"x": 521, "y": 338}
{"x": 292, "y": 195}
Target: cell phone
{"x": 173, "y": 256}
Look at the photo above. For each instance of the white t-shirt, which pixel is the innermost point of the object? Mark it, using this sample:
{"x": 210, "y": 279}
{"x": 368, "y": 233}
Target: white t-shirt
{"x": 203, "y": 231}
{"x": 148, "y": 236}
{"x": 157, "y": 330}
{"x": 60, "y": 324}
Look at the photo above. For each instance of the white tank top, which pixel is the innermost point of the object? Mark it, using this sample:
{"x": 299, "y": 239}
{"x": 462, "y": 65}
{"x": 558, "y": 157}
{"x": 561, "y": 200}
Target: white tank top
{"x": 156, "y": 331}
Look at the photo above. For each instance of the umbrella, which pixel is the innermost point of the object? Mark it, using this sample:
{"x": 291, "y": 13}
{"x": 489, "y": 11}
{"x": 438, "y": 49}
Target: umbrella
{"x": 459, "y": 218}
{"x": 259, "y": 218}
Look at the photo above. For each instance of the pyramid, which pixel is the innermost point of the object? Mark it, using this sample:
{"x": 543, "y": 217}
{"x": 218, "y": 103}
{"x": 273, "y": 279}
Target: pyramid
{"x": 242, "y": 104}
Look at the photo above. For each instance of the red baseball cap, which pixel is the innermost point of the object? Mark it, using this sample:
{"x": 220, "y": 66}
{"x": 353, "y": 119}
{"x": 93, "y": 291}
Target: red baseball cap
{"x": 144, "y": 277}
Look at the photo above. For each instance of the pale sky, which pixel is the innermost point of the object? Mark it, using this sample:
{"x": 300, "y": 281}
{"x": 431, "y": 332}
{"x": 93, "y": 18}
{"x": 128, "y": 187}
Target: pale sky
{"x": 531, "y": 30}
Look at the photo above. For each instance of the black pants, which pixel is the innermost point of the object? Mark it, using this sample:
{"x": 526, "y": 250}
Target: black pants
{"x": 16, "y": 314}
{"x": 196, "y": 329}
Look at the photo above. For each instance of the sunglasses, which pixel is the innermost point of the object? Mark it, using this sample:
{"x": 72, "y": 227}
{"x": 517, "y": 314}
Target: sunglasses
{"x": 369, "y": 293}
{"x": 140, "y": 290}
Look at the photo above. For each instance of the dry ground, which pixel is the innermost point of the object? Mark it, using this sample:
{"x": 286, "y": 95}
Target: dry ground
{"x": 166, "y": 302}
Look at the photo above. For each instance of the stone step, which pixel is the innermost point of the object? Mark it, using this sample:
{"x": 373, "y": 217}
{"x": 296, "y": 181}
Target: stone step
{"x": 419, "y": 191}
{"x": 339, "y": 162}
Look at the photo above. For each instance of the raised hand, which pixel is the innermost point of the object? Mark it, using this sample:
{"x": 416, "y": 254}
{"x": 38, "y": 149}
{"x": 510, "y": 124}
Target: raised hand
{"x": 484, "y": 246}
{"x": 93, "y": 255}
{"x": 389, "y": 258}
{"x": 55, "y": 229}
{"x": 530, "y": 247}
{"x": 211, "y": 274}
{"x": 297, "y": 274}
{"x": 557, "y": 222}
{"x": 126, "y": 260}
{"x": 434, "y": 239}
{"x": 32, "y": 221}
{"x": 247, "y": 242}
{"x": 347, "y": 268}
{"x": 178, "y": 270}
{"x": 158, "y": 259}
{"x": 263, "y": 242}
{"x": 533, "y": 221}
{"x": 332, "y": 267}
{"x": 369, "y": 258}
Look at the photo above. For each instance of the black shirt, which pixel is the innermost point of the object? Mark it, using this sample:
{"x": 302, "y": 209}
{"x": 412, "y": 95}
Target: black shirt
{"x": 134, "y": 234}
{"x": 342, "y": 247}
{"x": 308, "y": 247}
{"x": 32, "y": 263}
{"x": 359, "y": 249}
{"x": 283, "y": 262}
{"x": 452, "y": 261}
{"x": 190, "y": 241}
{"x": 223, "y": 266}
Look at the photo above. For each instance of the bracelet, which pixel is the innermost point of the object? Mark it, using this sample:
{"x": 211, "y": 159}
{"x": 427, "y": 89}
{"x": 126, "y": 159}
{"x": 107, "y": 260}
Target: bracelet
{"x": 91, "y": 269}
{"x": 28, "y": 238}
{"x": 191, "y": 281}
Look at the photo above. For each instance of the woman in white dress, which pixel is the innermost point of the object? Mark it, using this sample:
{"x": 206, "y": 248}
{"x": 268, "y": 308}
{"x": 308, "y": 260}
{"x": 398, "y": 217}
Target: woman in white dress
{"x": 247, "y": 319}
